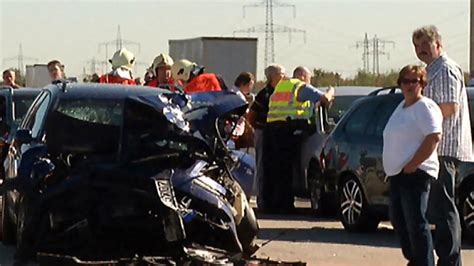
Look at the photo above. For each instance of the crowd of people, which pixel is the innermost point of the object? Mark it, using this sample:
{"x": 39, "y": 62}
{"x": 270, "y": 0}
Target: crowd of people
{"x": 421, "y": 162}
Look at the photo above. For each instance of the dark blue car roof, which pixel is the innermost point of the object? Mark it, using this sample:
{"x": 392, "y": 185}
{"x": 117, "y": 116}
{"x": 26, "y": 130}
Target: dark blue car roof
{"x": 101, "y": 91}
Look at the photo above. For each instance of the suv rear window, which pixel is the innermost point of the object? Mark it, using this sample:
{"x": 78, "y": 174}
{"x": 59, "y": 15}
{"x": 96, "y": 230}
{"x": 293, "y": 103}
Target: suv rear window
{"x": 340, "y": 105}
{"x": 360, "y": 118}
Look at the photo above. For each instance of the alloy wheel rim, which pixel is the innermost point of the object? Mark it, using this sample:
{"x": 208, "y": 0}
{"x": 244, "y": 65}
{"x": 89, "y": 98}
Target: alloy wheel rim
{"x": 351, "y": 203}
{"x": 468, "y": 212}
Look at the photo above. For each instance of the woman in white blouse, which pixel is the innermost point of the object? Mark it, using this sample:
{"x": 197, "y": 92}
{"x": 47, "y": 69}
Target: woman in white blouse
{"x": 410, "y": 160}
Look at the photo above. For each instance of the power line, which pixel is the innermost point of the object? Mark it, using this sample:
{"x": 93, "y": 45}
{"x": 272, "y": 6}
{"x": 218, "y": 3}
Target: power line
{"x": 119, "y": 42}
{"x": 366, "y": 53}
{"x": 270, "y": 28}
{"x": 20, "y": 58}
{"x": 377, "y": 45}
{"x": 442, "y": 21}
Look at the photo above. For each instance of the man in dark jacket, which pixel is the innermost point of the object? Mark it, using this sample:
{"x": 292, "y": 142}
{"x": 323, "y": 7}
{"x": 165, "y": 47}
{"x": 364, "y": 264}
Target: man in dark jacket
{"x": 258, "y": 118}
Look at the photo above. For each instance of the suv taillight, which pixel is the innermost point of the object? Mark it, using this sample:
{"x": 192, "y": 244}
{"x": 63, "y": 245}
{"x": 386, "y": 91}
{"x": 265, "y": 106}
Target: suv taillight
{"x": 323, "y": 158}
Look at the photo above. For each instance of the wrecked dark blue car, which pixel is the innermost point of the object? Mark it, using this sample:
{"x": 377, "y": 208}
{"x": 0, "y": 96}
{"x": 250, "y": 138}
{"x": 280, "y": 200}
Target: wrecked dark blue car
{"x": 110, "y": 171}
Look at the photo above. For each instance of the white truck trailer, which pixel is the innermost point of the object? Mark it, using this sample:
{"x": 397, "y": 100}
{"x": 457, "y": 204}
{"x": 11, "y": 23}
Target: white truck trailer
{"x": 37, "y": 76}
{"x": 225, "y": 56}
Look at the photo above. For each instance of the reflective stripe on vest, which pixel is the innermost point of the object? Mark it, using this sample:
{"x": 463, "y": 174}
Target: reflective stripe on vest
{"x": 284, "y": 102}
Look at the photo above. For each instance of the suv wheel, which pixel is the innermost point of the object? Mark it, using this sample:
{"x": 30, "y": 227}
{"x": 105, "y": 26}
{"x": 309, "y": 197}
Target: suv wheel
{"x": 7, "y": 229}
{"x": 353, "y": 208}
{"x": 467, "y": 211}
{"x": 315, "y": 189}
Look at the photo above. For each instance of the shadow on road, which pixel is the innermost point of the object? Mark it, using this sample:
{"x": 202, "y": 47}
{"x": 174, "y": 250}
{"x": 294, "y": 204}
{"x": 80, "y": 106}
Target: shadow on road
{"x": 382, "y": 237}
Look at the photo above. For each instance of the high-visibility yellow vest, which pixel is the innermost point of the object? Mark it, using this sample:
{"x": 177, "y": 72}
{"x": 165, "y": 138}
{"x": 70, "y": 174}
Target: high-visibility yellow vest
{"x": 284, "y": 102}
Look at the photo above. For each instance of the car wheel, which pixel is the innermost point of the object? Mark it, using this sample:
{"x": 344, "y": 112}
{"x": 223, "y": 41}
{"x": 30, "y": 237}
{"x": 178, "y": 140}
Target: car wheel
{"x": 315, "y": 190}
{"x": 7, "y": 229}
{"x": 353, "y": 208}
{"x": 467, "y": 211}
{"x": 247, "y": 231}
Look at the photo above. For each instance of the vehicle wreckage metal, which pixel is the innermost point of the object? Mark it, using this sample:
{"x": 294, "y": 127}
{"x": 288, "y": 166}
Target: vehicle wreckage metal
{"x": 170, "y": 193}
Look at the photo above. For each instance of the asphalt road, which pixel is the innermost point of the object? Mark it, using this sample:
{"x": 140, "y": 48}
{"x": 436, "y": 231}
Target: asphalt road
{"x": 303, "y": 237}
{"x": 323, "y": 241}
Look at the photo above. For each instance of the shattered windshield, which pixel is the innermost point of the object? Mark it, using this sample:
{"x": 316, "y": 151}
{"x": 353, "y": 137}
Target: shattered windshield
{"x": 93, "y": 111}
{"x": 85, "y": 126}
{"x": 151, "y": 133}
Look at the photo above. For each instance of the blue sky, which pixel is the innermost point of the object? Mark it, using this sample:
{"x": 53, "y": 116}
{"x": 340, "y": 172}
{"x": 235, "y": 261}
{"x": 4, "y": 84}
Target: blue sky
{"x": 71, "y": 30}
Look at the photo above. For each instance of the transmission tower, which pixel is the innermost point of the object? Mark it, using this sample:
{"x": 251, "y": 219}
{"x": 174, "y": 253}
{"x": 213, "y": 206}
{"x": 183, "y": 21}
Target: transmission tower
{"x": 95, "y": 65}
{"x": 270, "y": 28}
{"x": 119, "y": 42}
{"x": 377, "y": 49}
{"x": 20, "y": 58}
{"x": 373, "y": 47}
{"x": 365, "y": 55}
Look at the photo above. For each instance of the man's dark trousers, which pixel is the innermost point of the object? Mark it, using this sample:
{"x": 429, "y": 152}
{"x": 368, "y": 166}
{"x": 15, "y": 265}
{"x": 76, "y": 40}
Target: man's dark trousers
{"x": 280, "y": 147}
{"x": 443, "y": 213}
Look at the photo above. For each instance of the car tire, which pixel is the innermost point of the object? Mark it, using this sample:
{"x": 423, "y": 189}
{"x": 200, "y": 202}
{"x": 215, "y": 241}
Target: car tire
{"x": 316, "y": 190}
{"x": 467, "y": 211}
{"x": 7, "y": 227}
{"x": 247, "y": 231}
{"x": 353, "y": 208}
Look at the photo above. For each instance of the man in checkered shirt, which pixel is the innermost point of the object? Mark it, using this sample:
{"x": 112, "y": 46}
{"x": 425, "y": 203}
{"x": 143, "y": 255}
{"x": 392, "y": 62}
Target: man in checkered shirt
{"x": 445, "y": 87}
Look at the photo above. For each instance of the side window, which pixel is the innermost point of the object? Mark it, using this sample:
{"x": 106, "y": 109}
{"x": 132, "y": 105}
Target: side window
{"x": 35, "y": 119}
{"x": 21, "y": 105}
{"x": 383, "y": 113}
{"x": 358, "y": 121}
{"x": 4, "y": 127}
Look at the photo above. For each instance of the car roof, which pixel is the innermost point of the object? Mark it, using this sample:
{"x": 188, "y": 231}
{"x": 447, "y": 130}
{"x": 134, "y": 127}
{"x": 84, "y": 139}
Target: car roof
{"x": 101, "y": 91}
{"x": 351, "y": 90}
{"x": 354, "y": 90}
{"x": 27, "y": 91}
{"x": 21, "y": 91}
{"x": 363, "y": 100}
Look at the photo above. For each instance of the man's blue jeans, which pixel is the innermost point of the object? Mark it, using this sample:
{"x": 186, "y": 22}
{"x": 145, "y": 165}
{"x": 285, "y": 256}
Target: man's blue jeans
{"x": 408, "y": 204}
{"x": 443, "y": 213}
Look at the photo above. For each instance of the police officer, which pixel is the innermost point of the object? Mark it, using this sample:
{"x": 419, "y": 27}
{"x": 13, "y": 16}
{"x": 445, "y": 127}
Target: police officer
{"x": 290, "y": 111}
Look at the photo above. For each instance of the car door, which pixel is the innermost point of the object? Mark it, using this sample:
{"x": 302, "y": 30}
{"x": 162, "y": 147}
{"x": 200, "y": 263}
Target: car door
{"x": 373, "y": 177}
{"x": 34, "y": 122}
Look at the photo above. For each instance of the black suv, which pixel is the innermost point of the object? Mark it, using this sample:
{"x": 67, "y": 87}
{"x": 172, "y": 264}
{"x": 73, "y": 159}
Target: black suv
{"x": 352, "y": 171}
{"x": 305, "y": 172}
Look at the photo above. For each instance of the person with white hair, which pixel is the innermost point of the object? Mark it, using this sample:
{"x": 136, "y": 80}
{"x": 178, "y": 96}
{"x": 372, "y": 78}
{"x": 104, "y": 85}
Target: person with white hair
{"x": 446, "y": 87}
